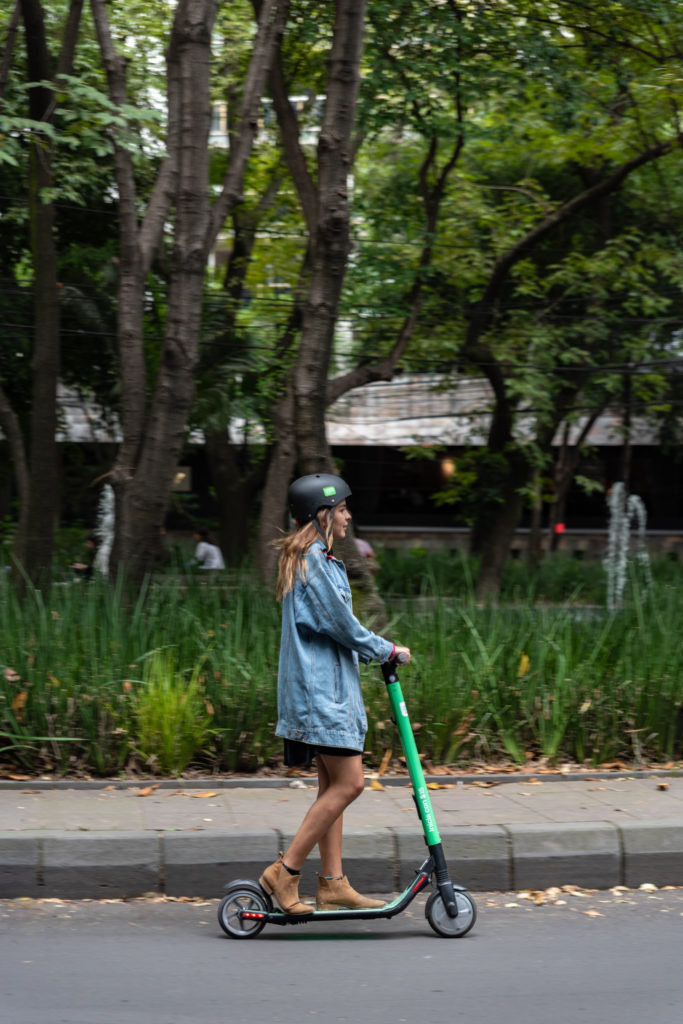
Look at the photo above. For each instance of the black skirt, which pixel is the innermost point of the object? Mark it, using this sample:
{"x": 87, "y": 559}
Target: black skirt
{"x": 300, "y": 755}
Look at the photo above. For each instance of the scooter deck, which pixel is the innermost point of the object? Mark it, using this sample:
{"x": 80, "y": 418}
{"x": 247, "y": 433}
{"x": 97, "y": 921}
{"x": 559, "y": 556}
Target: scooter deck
{"x": 395, "y": 906}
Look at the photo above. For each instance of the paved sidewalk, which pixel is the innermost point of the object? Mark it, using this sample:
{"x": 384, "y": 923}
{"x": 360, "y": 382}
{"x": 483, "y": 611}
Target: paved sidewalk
{"x": 90, "y": 840}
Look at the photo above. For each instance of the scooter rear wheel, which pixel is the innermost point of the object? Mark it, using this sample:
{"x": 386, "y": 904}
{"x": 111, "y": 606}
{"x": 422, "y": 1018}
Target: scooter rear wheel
{"x": 451, "y": 927}
{"x": 243, "y": 896}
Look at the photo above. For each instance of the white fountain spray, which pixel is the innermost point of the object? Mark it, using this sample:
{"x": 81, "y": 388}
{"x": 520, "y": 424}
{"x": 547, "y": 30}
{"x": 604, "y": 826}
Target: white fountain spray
{"x": 625, "y": 510}
{"x": 104, "y": 531}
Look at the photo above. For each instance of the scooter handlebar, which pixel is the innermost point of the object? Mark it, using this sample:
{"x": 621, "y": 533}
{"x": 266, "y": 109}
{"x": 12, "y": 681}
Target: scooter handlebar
{"x": 389, "y": 667}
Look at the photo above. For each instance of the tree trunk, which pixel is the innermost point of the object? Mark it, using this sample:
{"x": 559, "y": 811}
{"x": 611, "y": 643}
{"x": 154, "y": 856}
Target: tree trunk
{"x": 625, "y": 460}
{"x": 39, "y": 512}
{"x": 332, "y": 235}
{"x": 299, "y": 419}
{"x": 535, "y": 549}
{"x": 479, "y": 353}
{"x": 501, "y": 525}
{"x": 33, "y": 547}
{"x": 9, "y": 422}
{"x": 154, "y": 436}
{"x": 274, "y": 518}
{"x": 235, "y": 487}
{"x": 6, "y": 60}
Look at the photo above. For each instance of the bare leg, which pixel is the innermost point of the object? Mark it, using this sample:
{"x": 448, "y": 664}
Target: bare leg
{"x": 329, "y": 844}
{"x": 341, "y": 781}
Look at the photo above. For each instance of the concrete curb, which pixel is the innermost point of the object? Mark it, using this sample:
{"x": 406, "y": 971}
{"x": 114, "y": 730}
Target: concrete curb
{"x": 115, "y": 864}
{"x": 278, "y": 781}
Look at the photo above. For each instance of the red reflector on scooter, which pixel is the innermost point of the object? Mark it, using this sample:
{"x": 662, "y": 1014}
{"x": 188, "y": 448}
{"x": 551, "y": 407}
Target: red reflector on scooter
{"x": 420, "y": 884}
{"x": 252, "y": 915}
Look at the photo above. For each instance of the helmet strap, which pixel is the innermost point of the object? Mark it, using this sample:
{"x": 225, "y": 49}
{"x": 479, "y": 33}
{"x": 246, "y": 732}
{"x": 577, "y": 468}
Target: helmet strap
{"x": 320, "y": 531}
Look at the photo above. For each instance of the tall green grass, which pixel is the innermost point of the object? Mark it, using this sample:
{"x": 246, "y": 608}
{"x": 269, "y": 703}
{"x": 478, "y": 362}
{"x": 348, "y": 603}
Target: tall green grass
{"x": 79, "y": 677}
{"x": 183, "y": 675}
{"x": 558, "y": 682}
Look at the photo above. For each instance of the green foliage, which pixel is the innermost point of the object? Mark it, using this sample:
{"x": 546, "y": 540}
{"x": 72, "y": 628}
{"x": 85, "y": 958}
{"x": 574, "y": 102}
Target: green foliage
{"x": 185, "y": 676}
{"x": 171, "y": 719}
{"x": 478, "y": 479}
{"x": 68, "y": 700}
{"x": 525, "y": 680}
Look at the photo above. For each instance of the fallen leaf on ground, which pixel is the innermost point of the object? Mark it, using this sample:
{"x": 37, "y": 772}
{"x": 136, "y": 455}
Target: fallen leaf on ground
{"x": 374, "y": 784}
{"x": 662, "y": 785}
{"x": 203, "y": 796}
{"x": 18, "y": 705}
{"x": 535, "y": 895}
{"x": 148, "y": 790}
{"x": 592, "y": 913}
{"x": 439, "y": 785}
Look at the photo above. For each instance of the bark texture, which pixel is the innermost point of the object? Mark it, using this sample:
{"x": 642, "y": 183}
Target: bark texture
{"x": 299, "y": 419}
{"x": 38, "y": 471}
{"x": 155, "y": 413}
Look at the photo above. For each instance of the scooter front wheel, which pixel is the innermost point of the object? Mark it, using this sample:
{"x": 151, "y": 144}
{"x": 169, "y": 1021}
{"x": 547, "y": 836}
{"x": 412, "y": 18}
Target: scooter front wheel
{"x": 451, "y": 927}
{"x": 242, "y": 899}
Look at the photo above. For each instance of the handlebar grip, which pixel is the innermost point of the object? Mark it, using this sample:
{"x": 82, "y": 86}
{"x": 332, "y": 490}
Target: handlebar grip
{"x": 389, "y": 667}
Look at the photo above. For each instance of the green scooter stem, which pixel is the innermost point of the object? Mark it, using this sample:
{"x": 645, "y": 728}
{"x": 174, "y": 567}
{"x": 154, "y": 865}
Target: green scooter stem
{"x": 417, "y": 778}
{"x": 421, "y": 793}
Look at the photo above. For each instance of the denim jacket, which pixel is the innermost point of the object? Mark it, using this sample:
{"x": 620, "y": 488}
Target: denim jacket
{"x": 319, "y": 692}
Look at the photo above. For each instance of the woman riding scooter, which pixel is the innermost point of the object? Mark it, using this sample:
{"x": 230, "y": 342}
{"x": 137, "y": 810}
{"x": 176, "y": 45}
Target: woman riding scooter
{"x": 320, "y": 701}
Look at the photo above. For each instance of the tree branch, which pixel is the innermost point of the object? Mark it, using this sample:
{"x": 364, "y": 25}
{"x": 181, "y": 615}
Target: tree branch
{"x": 65, "y": 62}
{"x": 383, "y": 369}
{"x": 483, "y": 311}
{"x": 115, "y": 69}
{"x": 294, "y": 154}
{"x": 271, "y": 26}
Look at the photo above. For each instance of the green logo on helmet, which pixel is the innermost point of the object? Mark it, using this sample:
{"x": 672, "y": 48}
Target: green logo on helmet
{"x": 329, "y": 491}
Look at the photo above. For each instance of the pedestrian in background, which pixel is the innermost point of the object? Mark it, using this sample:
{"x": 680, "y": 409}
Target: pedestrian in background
{"x": 207, "y": 555}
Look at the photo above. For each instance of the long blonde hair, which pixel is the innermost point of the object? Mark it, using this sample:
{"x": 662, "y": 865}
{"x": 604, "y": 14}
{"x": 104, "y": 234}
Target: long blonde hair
{"x": 294, "y": 547}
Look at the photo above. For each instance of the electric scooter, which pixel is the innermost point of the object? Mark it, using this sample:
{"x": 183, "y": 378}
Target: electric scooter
{"x": 246, "y": 908}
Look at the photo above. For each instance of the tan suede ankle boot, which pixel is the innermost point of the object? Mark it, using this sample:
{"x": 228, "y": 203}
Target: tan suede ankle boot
{"x": 337, "y": 894}
{"x": 277, "y": 881}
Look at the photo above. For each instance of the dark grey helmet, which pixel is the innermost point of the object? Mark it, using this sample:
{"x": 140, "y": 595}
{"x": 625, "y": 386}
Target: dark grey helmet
{"x": 317, "y": 490}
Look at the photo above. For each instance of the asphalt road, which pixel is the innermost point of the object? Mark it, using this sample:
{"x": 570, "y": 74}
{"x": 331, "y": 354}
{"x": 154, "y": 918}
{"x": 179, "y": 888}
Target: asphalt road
{"x": 609, "y": 957}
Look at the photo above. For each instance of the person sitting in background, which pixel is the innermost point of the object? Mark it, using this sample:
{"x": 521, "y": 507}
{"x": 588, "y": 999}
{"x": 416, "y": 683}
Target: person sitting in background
{"x": 86, "y": 570}
{"x": 207, "y": 555}
{"x": 365, "y": 550}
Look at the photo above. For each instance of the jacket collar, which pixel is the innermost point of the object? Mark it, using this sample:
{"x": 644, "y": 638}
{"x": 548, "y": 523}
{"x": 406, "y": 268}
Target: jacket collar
{"x": 319, "y": 546}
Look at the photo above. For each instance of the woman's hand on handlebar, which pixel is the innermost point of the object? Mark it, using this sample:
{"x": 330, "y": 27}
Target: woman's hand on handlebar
{"x": 402, "y": 655}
